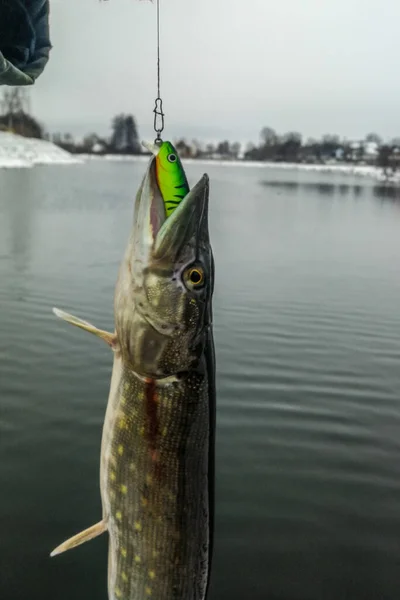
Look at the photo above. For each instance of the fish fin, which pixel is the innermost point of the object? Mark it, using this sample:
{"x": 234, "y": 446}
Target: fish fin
{"x": 81, "y": 538}
{"x": 109, "y": 338}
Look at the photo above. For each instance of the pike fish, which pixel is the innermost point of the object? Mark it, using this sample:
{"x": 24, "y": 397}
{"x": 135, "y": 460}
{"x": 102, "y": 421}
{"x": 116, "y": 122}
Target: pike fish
{"x": 157, "y": 451}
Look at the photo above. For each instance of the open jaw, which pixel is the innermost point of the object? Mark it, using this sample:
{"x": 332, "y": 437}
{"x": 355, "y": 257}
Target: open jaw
{"x": 157, "y": 237}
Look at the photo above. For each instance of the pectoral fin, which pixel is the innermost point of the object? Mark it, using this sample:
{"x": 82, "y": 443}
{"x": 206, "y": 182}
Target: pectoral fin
{"x": 109, "y": 338}
{"x": 81, "y": 538}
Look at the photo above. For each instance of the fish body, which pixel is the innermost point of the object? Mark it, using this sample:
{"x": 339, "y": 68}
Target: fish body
{"x": 155, "y": 493}
{"x": 157, "y": 452}
{"x": 171, "y": 177}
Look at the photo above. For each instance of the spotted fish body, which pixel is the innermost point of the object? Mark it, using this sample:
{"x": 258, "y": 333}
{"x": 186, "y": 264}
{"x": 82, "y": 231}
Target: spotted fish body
{"x": 171, "y": 177}
{"x": 158, "y": 509}
{"x": 157, "y": 454}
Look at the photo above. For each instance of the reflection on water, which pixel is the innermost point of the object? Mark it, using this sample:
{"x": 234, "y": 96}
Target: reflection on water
{"x": 386, "y": 192}
{"x": 379, "y": 191}
{"x": 18, "y": 212}
{"x": 322, "y": 189}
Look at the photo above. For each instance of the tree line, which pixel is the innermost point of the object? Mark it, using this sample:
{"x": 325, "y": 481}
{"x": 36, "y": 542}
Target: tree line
{"x": 290, "y": 147}
{"x": 124, "y": 139}
{"x": 273, "y": 146}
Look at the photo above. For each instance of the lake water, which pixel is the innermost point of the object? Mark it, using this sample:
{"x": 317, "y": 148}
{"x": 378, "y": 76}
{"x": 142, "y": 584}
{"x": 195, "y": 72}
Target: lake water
{"x": 307, "y": 329}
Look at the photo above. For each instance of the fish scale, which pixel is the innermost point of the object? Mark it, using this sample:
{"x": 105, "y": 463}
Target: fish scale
{"x": 156, "y": 505}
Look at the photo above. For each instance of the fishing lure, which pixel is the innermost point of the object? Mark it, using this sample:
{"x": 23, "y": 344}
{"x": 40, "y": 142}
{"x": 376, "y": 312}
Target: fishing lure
{"x": 171, "y": 178}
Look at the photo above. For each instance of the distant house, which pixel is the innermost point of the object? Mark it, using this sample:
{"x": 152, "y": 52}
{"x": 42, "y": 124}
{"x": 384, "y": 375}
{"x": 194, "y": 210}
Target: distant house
{"x": 339, "y": 154}
{"x": 98, "y": 148}
{"x": 364, "y": 152}
{"x": 395, "y": 158}
{"x": 371, "y": 151}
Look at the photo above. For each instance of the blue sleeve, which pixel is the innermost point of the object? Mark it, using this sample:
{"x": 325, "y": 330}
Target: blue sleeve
{"x": 24, "y": 40}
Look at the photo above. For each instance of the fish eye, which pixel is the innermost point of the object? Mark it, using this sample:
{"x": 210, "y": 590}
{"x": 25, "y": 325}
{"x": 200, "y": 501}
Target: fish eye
{"x": 195, "y": 276}
{"x": 172, "y": 158}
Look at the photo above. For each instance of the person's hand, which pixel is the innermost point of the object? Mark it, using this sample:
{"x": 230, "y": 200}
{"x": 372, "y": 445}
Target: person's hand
{"x": 24, "y": 40}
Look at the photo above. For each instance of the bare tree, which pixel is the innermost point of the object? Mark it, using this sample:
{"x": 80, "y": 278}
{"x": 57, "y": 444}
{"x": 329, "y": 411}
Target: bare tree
{"x": 268, "y": 136}
{"x": 15, "y": 101}
{"x": 373, "y": 137}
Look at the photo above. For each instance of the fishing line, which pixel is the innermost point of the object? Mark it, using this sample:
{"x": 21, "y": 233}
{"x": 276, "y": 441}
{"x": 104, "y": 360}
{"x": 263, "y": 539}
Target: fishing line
{"x": 158, "y": 109}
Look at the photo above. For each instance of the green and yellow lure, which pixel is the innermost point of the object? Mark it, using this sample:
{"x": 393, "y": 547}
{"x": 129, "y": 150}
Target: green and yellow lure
{"x": 171, "y": 177}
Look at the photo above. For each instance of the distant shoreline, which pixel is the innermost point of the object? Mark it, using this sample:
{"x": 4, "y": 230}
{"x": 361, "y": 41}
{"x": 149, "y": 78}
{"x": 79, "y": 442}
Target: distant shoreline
{"x": 368, "y": 171}
{"x": 21, "y": 152}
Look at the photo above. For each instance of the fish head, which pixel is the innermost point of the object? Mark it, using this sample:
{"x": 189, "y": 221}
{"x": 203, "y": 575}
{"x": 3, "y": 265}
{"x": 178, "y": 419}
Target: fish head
{"x": 164, "y": 289}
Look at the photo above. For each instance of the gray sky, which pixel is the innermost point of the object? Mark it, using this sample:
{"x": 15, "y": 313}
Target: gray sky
{"x": 229, "y": 67}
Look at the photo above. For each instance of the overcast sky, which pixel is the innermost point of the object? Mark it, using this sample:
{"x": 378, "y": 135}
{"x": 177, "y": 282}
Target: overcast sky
{"x": 229, "y": 67}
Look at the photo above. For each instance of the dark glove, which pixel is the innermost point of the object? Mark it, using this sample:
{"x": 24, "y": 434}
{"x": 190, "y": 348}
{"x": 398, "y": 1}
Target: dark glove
{"x": 24, "y": 40}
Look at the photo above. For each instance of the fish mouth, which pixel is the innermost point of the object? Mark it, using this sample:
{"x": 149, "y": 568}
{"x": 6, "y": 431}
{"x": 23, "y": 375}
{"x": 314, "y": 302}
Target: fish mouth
{"x": 158, "y": 237}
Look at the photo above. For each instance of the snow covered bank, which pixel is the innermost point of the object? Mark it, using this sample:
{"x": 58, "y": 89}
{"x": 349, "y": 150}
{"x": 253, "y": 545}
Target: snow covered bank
{"x": 117, "y": 157}
{"x": 345, "y": 169}
{"x": 17, "y": 151}
{"x": 367, "y": 171}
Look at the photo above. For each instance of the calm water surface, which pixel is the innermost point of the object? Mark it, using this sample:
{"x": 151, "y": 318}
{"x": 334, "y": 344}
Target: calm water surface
{"x": 307, "y": 328}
